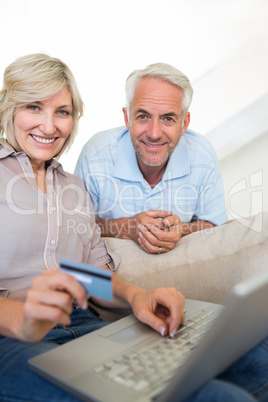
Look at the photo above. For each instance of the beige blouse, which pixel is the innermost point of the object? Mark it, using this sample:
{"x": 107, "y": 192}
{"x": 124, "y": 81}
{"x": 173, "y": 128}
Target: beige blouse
{"x": 37, "y": 229}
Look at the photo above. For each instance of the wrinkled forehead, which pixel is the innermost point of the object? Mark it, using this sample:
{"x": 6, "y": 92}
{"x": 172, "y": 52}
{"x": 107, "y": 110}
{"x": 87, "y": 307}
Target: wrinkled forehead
{"x": 155, "y": 94}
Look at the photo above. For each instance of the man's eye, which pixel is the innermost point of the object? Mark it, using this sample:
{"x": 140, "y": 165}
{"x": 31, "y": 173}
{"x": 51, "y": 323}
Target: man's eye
{"x": 168, "y": 118}
{"x": 142, "y": 117}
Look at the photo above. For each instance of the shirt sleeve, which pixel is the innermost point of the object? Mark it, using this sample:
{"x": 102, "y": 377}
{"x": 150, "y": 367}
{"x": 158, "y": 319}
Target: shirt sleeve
{"x": 211, "y": 204}
{"x": 100, "y": 253}
{"x": 82, "y": 170}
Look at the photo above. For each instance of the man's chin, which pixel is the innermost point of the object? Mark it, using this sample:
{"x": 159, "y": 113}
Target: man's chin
{"x": 154, "y": 162}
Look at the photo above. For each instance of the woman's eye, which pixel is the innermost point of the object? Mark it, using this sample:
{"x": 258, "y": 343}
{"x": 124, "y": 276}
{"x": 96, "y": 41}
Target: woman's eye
{"x": 33, "y": 107}
{"x": 64, "y": 112}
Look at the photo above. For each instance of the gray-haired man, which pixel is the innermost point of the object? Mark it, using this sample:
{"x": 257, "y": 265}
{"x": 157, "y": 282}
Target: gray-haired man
{"x": 153, "y": 180}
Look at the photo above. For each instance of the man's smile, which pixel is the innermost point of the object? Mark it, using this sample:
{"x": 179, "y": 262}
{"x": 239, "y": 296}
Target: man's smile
{"x": 153, "y": 145}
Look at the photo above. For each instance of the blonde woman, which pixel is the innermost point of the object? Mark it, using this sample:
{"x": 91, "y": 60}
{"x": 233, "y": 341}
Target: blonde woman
{"x": 46, "y": 214}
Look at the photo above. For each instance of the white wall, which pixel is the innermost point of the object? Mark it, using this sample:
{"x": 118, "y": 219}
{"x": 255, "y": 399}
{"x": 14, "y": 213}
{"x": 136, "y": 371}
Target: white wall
{"x": 103, "y": 41}
{"x": 235, "y": 119}
{"x": 245, "y": 177}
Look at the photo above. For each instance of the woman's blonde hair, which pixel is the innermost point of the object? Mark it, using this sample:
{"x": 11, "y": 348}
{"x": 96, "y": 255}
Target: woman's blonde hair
{"x": 33, "y": 78}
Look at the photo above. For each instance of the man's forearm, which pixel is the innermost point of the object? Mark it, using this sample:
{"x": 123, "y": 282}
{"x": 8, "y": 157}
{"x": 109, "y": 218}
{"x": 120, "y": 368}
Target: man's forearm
{"x": 118, "y": 228}
{"x": 126, "y": 228}
{"x": 194, "y": 226}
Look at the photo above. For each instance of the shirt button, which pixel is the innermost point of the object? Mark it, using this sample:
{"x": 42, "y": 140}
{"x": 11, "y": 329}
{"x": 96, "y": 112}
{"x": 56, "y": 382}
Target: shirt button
{"x": 53, "y": 242}
{"x": 53, "y": 209}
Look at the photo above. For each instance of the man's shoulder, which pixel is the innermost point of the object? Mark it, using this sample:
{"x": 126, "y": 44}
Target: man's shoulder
{"x": 104, "y": 140}
{"x": 197, "y": 143}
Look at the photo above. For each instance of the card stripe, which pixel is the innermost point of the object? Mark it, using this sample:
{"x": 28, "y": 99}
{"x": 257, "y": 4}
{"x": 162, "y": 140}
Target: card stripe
{"x": 83, "y": 271}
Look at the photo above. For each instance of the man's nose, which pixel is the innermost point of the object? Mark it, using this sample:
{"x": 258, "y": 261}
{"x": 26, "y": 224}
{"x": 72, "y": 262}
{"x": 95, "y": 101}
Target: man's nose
{"x": 155, "y": 130}
{"x": 47, "y": 125}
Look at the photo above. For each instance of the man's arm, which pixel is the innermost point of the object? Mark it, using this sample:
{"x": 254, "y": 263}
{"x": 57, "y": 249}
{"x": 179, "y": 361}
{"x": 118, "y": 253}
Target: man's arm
{"x": 153, "y": 237}
{"x": 128, "y": 227}
{"x": 152, "y": 230}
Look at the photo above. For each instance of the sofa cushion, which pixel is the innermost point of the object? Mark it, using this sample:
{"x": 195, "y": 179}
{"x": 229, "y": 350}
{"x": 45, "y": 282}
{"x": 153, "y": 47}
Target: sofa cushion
{"x": 204, "y": 265}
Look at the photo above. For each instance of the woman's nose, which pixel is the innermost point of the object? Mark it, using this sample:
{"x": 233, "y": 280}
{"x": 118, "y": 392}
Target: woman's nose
{"x": 48, "y": 126}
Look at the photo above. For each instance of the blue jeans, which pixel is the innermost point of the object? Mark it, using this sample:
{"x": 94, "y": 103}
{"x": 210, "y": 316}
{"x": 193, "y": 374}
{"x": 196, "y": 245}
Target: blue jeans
{"x": 246, "y": 380}
{"x": 18, "y": 382}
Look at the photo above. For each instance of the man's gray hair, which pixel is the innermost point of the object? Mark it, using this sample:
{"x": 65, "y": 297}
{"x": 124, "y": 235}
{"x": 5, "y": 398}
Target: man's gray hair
{"x": 164, "y": 72}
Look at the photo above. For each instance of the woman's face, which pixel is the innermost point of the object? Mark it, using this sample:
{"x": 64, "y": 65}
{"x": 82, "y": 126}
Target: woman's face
{"x": 41, "y": 128}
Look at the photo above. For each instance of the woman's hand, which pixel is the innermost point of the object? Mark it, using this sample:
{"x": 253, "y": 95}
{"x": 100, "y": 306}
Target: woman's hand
{"x": 161, "y": 308}
{"x": 49, "y": 302}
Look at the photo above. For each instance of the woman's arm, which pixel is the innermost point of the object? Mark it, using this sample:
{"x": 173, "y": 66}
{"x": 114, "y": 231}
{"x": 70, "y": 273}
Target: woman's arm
{"x": 49, "y": 302}
{"x": 161, "y": 308}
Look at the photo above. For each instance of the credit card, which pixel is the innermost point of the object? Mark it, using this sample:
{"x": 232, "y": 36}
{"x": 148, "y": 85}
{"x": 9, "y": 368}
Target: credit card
{"x": 97, "y": 281}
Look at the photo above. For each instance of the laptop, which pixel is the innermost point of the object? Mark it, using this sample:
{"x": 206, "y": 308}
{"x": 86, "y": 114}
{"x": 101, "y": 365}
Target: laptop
{"x": 100, "y": 366}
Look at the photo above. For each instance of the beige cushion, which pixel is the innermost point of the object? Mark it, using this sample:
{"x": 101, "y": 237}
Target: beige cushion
{"x": 204, "y": 265}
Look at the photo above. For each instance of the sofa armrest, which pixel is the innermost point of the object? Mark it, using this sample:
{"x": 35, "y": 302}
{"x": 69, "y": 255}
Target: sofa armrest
{"x": 204, "y": 265}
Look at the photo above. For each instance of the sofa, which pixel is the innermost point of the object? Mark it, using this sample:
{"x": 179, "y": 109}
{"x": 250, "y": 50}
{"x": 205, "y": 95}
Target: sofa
{"x": 204, "y": 265}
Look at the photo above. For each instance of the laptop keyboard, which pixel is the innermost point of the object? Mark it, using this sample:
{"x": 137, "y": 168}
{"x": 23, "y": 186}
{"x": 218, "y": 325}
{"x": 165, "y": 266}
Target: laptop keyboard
{"x": 150, "y": 368}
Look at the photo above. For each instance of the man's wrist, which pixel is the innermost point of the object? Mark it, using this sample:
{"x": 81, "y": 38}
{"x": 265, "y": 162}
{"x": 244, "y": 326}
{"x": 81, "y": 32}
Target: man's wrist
{"x": 113, "y": 228}
{"x": 194, "y": 226}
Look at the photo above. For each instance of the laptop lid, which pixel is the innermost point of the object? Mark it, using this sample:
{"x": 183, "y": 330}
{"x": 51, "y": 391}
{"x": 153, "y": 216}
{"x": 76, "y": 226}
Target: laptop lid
{"x": 242, "y": 324}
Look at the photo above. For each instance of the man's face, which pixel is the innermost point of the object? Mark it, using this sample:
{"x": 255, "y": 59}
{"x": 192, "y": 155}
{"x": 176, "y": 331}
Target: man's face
{"x": 155, "y": 121}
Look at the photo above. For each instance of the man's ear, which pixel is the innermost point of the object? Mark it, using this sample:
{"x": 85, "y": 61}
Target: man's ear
{"x": 126, "y": 117}
{"x": 186, "y": 123}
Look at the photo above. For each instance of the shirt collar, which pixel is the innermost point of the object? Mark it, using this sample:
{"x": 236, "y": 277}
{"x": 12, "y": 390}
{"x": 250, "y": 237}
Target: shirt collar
{"x": 7, "y": 150}
{"x": 57, "y": 166}
{"x": 178, "y": 164}
{"x": 127, "y": 168}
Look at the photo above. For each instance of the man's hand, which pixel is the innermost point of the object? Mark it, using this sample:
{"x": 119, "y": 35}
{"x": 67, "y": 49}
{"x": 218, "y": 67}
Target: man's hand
{"x": 147, "y": 219}
{"x": 152, "y": 230}
{"x": 161, "y": 235}
{"x": 128, "y": 227}
{"x": 155, "y": 231}
{"x": 49, "y": 302}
